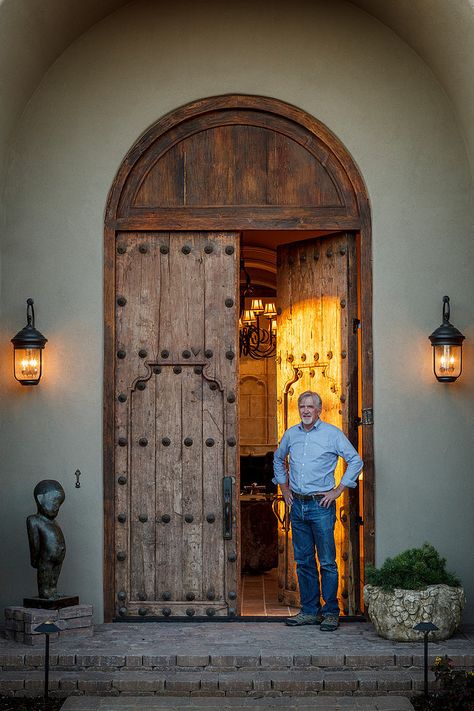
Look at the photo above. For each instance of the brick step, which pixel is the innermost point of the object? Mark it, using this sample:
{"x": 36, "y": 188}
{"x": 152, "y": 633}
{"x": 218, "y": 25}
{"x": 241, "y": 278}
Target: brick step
{"x": 211, "y": 683}
{"x": 67, "y": 661}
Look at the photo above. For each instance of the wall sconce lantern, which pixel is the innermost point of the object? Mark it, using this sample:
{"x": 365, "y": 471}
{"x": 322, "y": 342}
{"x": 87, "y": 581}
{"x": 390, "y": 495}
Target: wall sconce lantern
{"x": 447, "y": 348}
{"x": 28, "y": 347}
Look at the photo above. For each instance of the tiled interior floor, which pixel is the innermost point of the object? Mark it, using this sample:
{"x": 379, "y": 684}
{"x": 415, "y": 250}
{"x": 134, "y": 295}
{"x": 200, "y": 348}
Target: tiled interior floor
{"x": 260, "y": 596}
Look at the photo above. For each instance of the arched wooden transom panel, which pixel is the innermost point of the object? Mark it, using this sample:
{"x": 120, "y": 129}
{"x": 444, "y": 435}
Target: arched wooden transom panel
{"x": 237, "y": 162}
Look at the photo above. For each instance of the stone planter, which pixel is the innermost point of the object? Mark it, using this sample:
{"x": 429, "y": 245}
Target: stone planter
{"x": 394, "y": 614}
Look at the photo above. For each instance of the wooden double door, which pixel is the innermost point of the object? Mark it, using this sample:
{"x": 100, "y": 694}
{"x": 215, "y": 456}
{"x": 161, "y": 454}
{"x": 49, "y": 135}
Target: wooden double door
{"x": 186, "y": 188}
{"x": 176, "y": 491}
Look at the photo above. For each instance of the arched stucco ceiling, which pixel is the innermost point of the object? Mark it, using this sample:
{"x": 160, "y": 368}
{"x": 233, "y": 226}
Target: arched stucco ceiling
{"x": 33, "y": 34}
{"x": 442, "y": 34}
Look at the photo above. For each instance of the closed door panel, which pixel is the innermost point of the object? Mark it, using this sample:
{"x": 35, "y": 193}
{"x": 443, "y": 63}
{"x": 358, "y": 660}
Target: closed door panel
{"x": 175, "y": 424}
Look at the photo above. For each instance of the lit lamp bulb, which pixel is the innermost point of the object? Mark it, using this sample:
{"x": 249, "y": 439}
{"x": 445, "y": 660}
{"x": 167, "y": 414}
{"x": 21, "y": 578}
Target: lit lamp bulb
{"x": 29, "y": 363}
{"x": 447, "y": 360}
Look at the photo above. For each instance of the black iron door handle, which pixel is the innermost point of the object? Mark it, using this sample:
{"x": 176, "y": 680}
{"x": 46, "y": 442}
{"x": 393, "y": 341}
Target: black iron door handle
{"x": 227, "y": 512}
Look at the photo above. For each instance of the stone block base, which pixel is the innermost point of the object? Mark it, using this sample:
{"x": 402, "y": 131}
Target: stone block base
{"x": 73, "y": 621}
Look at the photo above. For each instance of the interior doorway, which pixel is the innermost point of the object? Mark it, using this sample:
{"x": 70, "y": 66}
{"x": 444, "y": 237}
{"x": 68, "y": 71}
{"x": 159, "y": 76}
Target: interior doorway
{"x": 303, "y": 336}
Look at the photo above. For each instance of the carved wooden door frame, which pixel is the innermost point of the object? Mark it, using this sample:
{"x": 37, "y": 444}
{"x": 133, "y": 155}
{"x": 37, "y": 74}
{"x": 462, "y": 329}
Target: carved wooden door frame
{"x": 350, "y": 212}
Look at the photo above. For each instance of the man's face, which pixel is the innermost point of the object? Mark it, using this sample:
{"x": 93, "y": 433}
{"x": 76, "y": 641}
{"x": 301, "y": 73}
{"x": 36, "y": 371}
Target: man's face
{"x": 309, "y": 413}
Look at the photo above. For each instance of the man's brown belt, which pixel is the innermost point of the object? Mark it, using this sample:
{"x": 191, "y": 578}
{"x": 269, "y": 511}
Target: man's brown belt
{"x": 307, "y": 497}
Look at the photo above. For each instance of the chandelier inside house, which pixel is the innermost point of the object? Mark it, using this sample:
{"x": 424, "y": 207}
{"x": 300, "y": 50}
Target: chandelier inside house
{"x": 257, "y": 324}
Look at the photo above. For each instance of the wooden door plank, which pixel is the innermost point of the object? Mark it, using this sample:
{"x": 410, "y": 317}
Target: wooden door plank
{"x": 213, "y": 469}
{"x": 142, "y": 492}
{"x": 237, "y": 218}
{"x": 221, "y": 304}
{"x": 192, "y": 483}
{"x": 144, "y": 283}
{"x": 168, "y": 467}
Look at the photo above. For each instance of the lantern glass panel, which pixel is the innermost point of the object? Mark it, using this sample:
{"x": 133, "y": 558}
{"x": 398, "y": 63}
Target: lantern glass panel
{"x": 28, "y": 365}
{"x": 447, "y": 362}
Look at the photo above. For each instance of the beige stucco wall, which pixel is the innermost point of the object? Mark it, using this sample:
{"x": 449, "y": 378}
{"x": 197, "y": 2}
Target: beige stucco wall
{"x": 385, "y": 105}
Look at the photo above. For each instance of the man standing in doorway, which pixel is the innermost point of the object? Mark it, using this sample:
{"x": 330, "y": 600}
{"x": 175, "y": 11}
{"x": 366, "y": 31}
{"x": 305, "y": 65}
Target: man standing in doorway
{"x": 313, "y": 448}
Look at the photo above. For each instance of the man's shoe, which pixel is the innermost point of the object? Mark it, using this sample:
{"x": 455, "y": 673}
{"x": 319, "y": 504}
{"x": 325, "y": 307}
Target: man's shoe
{"x": 303, "y": 618}
{"x": 330, "y": 623}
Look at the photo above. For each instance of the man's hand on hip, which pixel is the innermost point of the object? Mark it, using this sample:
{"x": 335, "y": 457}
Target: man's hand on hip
{"x": 287, "y": 494}
{"x": 331, "y": 496}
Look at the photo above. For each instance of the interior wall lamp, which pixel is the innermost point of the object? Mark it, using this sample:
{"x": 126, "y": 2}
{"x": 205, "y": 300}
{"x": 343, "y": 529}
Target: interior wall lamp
{"x": 447, "y": 348}
{"x": 28, "y": 347}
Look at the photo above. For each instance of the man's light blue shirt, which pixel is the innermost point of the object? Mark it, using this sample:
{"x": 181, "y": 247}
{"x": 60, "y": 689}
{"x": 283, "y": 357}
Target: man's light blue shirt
{"x": 313, "y": 458}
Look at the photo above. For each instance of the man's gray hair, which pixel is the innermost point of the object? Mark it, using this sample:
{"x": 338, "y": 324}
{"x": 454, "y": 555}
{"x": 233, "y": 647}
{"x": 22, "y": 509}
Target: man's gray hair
{"x": 316, "y": 399}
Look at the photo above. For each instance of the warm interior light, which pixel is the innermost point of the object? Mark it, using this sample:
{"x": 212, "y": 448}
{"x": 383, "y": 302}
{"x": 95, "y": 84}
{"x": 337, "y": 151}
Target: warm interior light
{"x": 257, "y": 306}
{"x": 274, "y": 325}
{"x": 28, "y": 365}
{"x": 270, "y": 310}
{"x": 248, "y": 317}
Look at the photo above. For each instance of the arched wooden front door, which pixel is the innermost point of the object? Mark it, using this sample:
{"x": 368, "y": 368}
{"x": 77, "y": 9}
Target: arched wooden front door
{"x": 180, "y": 200}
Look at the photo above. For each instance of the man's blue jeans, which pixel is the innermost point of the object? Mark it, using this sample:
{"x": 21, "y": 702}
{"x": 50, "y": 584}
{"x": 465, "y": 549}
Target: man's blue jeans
{"x": 313, "y": 525}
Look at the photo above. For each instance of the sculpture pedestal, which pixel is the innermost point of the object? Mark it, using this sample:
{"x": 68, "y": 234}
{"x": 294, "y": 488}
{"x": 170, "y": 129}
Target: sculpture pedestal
{"x": 73, "y": 621}
{"x": 40, "y": 603}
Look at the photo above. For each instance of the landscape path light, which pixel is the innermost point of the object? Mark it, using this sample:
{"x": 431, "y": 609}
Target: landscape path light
{"x": 47, "y": 628}
{"x": 426, "y": 628}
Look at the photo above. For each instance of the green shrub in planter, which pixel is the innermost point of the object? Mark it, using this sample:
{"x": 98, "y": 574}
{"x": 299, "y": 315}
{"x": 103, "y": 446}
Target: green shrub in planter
{"x": 413, "y": 569}
{"x": 413, "y": 587}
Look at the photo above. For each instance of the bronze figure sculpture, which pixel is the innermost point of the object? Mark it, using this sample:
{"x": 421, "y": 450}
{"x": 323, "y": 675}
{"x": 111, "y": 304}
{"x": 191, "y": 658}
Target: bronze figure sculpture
{"x": 47, "y": 545}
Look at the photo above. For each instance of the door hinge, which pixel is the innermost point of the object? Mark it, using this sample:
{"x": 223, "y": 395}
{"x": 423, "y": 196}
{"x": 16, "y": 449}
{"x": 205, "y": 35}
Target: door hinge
{"x": 367, "y": 417}
{"x": 355, "y": 325}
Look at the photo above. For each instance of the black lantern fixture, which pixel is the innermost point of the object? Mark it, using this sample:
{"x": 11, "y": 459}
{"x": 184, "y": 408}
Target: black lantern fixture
{"x": 447, "y": 348}
{"x": 28, "y": 347}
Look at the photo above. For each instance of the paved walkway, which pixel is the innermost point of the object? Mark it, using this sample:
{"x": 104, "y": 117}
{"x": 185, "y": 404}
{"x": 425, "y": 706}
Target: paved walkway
{"x": 353, "y": 641}
{"x": 343, "y": 703}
